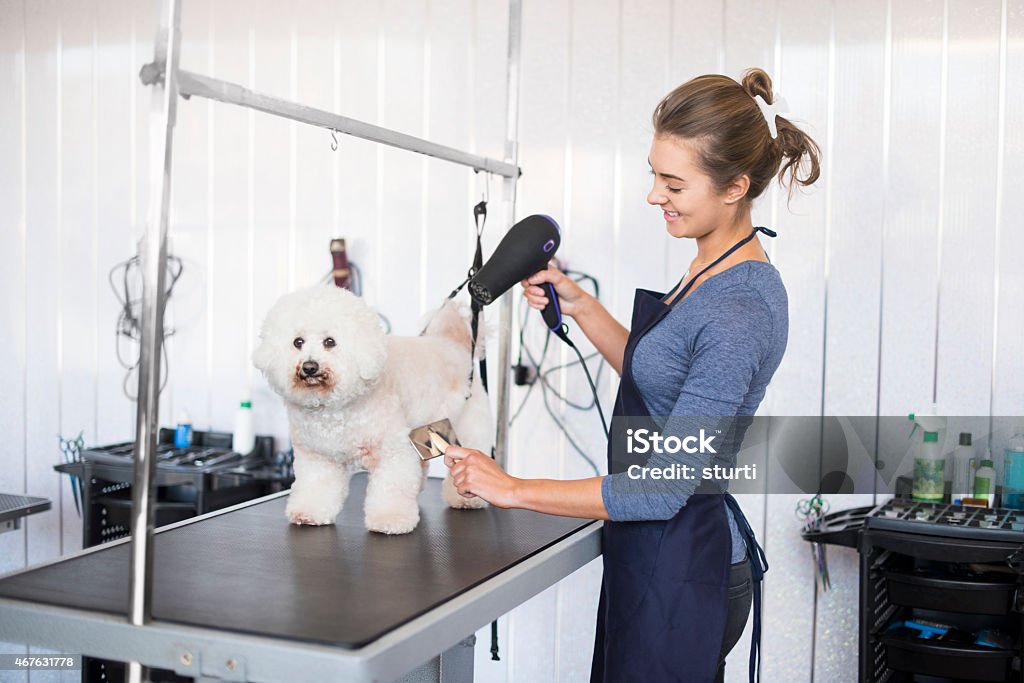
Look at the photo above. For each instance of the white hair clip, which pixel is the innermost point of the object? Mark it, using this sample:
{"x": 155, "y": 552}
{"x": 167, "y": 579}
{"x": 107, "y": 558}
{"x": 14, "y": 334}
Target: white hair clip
{"x": 770, "y": 111}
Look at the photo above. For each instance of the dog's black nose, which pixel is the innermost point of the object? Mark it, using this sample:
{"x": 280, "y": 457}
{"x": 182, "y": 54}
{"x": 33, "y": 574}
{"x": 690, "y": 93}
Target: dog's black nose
{"x": 310, "y": 368}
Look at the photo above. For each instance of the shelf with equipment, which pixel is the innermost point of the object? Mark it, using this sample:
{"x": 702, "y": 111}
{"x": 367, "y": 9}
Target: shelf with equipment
{"x": 941, "y": 590}
{"x": 191, "y": 481}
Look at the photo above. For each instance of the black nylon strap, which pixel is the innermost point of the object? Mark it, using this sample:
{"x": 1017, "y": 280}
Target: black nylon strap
{"x": 479, "y": 212}
{"x": 686, "y": 288}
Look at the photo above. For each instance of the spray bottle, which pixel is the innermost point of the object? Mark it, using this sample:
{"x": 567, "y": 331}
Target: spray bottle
{"x": 929, "y": 463}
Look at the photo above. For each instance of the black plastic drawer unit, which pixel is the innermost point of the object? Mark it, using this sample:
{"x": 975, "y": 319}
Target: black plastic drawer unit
{"x": 933, "y": 591}
{"x": 941, "y": 590}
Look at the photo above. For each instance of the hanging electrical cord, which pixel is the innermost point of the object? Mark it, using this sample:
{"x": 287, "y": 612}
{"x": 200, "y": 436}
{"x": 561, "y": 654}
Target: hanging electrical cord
{"x": 357, "y": 279}
{"x": 547, "y": 384}
{"x": 129, "y": 324}
{"x": 562, "y": 425}
{"x": 586, "y": 370}
{"x": 544, "y": 375}
{"x": 581, "y": 360}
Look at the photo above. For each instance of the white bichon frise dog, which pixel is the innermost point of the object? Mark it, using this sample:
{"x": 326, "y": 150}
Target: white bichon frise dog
{"x": 353, "y": 394}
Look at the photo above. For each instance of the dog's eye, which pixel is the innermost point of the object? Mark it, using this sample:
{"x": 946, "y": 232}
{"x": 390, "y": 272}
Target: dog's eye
{"x": 299, "y": 341}
{"x": 329, "y": 343}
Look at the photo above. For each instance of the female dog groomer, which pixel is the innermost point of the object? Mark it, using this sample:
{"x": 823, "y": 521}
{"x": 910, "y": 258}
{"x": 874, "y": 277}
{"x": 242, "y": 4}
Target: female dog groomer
{"x": 677, "y": 566}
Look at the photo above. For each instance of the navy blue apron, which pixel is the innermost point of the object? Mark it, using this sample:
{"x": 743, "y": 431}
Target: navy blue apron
{"x": 664, "y": 594}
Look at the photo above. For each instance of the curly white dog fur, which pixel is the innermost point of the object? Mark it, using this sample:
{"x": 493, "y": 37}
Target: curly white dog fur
{"x": 353, "y": 393}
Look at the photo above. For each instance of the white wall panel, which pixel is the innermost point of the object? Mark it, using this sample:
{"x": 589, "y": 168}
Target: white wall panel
{"x": 13, "y": 335}
{"x": 967, "y": 221}
{"x": 190, "y": 236}
{"x": 648, "y": 44}
{"x": 901, "y": 264}
{"x": 42, "y": 220}
{"x": 911, "y": 210}
{"x": 799, "y": 68}
{"x": 229, "y": 249}
{"x": 853, "y": 267}
{"x": 78, "y": 278}
{"x": 357, "y": 178}
{"x": 1008, "y": 386}
{"x": 279, "y": 165}
{"x": 696, "y": 39}
{"x": 117, "y": 177}
{"x": 448, "y": 192}
{"x": 401, "y": 175}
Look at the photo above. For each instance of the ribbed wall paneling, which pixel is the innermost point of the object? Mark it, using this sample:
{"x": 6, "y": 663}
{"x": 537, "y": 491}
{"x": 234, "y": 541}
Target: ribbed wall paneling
{"x": 900, "y": 263}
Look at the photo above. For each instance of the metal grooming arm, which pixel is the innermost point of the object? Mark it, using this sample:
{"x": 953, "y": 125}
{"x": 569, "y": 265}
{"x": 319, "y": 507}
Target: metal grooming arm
{"x": 168, "y": 81}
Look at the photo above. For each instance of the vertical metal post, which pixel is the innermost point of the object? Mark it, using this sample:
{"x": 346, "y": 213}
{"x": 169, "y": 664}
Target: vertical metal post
{"x": 154, "y": 265}
{"x": 515, "y": 20}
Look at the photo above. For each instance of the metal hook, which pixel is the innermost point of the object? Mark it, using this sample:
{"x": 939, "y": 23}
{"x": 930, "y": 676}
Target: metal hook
{"x": 334, "y": 140}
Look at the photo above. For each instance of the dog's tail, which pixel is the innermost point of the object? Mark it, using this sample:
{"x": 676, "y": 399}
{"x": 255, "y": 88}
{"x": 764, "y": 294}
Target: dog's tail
{"x": 452, "y": 321}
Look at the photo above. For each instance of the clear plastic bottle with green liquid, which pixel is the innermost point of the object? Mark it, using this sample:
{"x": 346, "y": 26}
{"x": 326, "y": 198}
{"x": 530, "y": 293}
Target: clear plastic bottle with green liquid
{"x": 929, "y": 463}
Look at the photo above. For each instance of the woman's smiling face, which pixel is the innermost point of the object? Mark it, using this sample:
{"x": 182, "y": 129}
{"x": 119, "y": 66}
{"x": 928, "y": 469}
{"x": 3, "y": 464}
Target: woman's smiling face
{"x": 691, "y": 205}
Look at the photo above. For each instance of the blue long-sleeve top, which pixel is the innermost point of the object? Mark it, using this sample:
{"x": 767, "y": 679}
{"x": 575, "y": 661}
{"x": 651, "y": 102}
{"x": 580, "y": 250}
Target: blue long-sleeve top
{"x": 711, "y": 356}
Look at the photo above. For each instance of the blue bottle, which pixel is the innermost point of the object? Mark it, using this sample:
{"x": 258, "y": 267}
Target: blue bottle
{"x": 1013, "y": 473}
{"x": 183, "y": 432}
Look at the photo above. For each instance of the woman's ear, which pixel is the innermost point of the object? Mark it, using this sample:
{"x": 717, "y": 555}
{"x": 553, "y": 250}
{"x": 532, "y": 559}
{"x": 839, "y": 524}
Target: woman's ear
{"x": 737, "y": 189}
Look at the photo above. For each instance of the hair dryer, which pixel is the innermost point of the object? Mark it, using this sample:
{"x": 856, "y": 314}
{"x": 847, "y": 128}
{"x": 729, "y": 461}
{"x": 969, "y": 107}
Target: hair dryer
{"x": 524, "y": 250}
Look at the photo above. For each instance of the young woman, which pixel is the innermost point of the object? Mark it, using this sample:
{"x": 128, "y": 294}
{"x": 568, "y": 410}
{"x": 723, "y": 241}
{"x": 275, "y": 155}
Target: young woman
{"x": 679, "y": 567}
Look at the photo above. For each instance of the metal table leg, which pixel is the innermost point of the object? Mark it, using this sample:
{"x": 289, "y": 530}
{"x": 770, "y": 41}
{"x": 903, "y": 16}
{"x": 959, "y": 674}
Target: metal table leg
{"x": 454, "y": 665}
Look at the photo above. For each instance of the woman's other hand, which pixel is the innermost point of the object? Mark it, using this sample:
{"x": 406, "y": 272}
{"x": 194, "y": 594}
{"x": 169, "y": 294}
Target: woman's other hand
{"x": 571, "y": 297}
{"x": 476, "y": 474}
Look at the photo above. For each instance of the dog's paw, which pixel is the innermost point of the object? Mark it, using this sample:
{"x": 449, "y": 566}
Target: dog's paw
{"x": 298, "y": 513}
{"x": 391, "y": 521}
{"x": 299, "y": 517}
{"x": 454, "y": 499}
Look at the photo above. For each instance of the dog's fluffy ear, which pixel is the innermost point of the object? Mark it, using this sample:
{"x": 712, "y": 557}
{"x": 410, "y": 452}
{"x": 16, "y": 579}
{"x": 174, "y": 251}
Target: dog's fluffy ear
{"x": 371, "y": 363}
{"x": 263, "y": 355}
{"x": 374, "y": 352}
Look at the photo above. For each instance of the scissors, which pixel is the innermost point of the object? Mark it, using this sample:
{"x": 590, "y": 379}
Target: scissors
{"x": 813, "y": 511}
{"x": 72, "y": 451}
{"x": 815, "y": 506}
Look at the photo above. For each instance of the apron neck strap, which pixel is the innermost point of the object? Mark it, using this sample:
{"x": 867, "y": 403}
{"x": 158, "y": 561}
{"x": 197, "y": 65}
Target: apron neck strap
{"x": 686, "y": 288}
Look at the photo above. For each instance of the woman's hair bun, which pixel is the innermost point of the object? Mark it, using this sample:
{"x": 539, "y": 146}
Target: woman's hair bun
{"x": 732, "y": 135}
{"x": 758, "y": 82}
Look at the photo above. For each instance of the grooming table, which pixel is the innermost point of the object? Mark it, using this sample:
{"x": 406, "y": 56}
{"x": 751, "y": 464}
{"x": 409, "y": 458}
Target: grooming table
{"x": 13, "y": 508}
{"x": 242, "y": 595}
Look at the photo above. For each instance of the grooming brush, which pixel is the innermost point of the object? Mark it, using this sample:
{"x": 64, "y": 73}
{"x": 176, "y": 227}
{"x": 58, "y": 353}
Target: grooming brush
{"x": 432, "y": 440}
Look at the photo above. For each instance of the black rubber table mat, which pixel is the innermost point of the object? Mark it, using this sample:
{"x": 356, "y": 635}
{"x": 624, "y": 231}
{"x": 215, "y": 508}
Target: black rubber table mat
{"x": 251, "y": 571}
